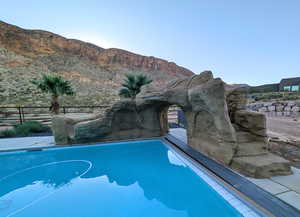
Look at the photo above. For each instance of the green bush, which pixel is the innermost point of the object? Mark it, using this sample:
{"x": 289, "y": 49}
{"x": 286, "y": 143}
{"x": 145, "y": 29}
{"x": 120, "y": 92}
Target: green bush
{"x": 8, "y": 133}
{"x": 30, "y": 127}
{"x": 25, "y": 129}
{"x": 275, "y": 96}
{"x": 21, "y": 130}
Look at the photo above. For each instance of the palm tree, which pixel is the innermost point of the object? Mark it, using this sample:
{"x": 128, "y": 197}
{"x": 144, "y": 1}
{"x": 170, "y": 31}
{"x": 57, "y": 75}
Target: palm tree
{"x": 132, "y": 85}
{"x": 56, "y": 86}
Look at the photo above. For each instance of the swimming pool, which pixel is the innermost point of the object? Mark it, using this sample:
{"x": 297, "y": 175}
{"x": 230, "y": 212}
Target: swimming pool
{"x": 145, "y": 178}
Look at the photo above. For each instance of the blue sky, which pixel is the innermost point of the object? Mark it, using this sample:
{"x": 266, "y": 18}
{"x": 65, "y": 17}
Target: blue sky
{"x": 252, "y": 42}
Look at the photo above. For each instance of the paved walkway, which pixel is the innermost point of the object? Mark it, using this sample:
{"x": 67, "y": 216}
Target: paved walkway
{"x": 287, "y": 188}
{"x": 21, "y": 143}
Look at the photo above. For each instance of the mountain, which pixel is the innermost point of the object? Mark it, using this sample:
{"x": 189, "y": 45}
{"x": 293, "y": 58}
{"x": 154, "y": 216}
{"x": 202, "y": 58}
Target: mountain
{"x": 95, "y": 72}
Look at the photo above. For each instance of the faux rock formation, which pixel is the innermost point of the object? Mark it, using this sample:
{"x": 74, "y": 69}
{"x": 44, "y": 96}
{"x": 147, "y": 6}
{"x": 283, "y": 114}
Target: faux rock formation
{"x": 217, "y": 123}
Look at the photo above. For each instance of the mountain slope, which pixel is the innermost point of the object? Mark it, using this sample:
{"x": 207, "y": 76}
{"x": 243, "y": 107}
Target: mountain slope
{"x": 95, "y": 72}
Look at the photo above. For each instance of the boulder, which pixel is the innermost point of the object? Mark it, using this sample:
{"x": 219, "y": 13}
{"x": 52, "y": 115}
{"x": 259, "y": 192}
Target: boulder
{"x": 261, "y": 166}
{"x": 191, "y": 82}
{"x": 125, "y": 120}
{"x": 292, "y": 103}
{"x": 209, "y": 129}
{"x": 60, "y": 130}
{"x": 295, "y": 109}
{"x": 271, "y": 108}
{"x": 63, "y": 126}
{"x": 250, "y": 144}
{"x": 263, "y": 109}
{"x": 252, "y": 122}
{"x": 253, "y": 148}
{"x": 280, "y": 108}
{"x": 236, "y": 99}
{"x": 287, "y": 108}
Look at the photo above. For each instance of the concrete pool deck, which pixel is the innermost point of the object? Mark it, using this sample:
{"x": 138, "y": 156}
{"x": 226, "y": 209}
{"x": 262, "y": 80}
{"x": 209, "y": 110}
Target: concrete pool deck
{"x": 14, "y": 144}
{"x": 287, "y": 188}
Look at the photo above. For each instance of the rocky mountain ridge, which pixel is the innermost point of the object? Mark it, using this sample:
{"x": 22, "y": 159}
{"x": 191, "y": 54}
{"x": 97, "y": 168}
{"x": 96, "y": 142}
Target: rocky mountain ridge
{"x": 95, "y": 72}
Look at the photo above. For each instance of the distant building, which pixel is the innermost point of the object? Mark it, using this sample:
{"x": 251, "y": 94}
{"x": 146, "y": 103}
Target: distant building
{"x": 286, "y": 84}
{"x": 290, "y": 84}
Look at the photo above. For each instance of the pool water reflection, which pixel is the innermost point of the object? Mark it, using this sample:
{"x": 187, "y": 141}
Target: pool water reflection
{"x": 132, "y": 179}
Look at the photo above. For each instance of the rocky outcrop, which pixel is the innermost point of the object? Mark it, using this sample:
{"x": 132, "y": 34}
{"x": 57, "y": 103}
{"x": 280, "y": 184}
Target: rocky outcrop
{"x": 261, "y": 166}
{"x": 209, "y": 128}
{"x": 95, "y": 72}
{"x": 217, "y": 124}
{"x": 252, "y": 157}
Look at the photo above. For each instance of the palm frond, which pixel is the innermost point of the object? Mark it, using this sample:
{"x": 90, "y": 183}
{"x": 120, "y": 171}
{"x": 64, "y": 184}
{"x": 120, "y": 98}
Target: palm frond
{"x": 142, "y": 80}
{"x": 132, "y": 84}
{"x": 54, "y": 84}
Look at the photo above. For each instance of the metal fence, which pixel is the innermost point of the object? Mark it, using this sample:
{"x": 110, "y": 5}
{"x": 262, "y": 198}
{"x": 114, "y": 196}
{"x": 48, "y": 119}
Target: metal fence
{"x": 13, "y": 115}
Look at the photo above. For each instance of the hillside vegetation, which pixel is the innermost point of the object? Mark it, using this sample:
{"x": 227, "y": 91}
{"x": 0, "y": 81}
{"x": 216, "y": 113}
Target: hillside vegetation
{"x": 271, "y": 96}
{"x": 96, "y": 73}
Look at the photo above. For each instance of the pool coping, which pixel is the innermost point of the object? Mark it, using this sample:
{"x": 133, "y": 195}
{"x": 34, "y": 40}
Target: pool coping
{"x": 264, "y": 199}
{"x": 41, "y": 148}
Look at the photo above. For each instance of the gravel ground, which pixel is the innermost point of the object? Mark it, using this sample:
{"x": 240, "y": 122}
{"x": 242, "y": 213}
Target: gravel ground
{"x": 286, "y": 130}
{"x": 284, "y": 127}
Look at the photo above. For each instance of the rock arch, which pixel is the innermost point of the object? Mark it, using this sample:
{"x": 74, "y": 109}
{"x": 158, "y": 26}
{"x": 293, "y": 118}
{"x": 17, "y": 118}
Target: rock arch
{"x": 218, "y": 124}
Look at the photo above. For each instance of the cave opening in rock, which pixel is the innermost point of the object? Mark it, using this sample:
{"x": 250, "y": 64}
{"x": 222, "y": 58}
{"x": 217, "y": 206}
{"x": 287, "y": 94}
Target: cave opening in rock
{"x": 173, "y": 121}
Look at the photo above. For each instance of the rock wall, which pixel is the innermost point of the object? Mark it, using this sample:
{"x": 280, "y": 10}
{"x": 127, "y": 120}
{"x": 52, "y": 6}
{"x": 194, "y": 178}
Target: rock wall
{"x": 278, "y": 106}
{"x": 218, "y": 124}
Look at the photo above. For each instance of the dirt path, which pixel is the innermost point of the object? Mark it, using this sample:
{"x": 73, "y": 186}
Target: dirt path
{"x": 285, "y": 131}
{"x": 285, "y": 127}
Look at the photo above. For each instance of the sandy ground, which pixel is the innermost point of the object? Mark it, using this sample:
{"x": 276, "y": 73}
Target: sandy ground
{"x": 5, "y": 127}
{"x": 284, "y": 127}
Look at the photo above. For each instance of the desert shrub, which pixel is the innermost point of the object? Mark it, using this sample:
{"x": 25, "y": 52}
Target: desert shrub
{"x": 7, "y": 133}
{"x": 30, "y": 127}
{"x": 275, "y": 96}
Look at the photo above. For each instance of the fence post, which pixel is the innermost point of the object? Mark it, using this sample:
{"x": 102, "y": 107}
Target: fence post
{"x": 20, "y": 115}
{"x": 23, "y": 115}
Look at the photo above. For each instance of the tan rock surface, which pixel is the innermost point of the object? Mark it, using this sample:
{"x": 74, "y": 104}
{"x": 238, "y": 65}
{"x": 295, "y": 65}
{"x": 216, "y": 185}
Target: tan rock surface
{"x": 261, "y": 166}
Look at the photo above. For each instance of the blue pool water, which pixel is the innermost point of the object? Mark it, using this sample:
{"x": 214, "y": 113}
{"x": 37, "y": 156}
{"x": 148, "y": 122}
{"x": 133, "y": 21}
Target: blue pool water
{"x": 129, "y": 179}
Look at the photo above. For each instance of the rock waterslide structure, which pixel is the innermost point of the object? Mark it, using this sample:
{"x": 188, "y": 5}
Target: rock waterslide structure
{"x": 218, "y": 124}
